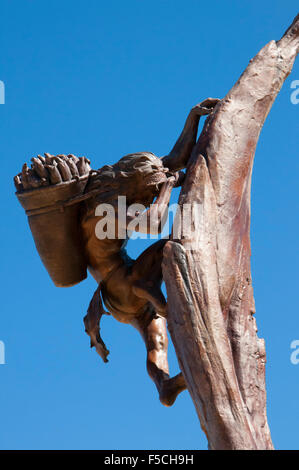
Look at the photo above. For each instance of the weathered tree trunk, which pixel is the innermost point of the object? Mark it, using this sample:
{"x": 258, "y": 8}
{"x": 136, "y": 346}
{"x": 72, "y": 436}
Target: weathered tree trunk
{"x": 207, "y": 272}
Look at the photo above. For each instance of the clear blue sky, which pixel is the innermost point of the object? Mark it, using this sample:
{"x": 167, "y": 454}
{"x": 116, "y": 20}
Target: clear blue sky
{"x": 104, "y": 79}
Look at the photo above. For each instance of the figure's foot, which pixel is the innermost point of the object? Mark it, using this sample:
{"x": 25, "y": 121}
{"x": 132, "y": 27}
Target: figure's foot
{"x": 171, "y": 388}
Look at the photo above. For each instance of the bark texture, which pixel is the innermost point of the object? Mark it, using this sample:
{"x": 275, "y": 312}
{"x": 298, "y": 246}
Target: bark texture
{"x": 207, "y": 271}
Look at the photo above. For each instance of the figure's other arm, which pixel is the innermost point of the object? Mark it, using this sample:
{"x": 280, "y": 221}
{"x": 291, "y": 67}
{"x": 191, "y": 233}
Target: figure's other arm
{"x": 153, "y": 220}
{"x": 179, "y": 155}
{"x": 92, "y": 324}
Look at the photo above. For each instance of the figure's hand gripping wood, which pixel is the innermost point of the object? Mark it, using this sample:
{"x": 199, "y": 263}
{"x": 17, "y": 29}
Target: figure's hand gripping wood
{"x": 92, "y": 324}
{"x": 178, "y": 158}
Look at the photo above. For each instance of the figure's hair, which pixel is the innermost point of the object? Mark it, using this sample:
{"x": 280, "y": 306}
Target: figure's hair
{"x": 135, "y": 173}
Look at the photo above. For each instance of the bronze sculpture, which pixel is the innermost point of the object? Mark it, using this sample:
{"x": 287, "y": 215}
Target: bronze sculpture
{"x": 130, "y": 289}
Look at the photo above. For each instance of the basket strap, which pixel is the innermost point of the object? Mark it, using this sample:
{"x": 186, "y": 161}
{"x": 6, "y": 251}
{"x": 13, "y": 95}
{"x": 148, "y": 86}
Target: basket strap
{"x": 60, "y": 206}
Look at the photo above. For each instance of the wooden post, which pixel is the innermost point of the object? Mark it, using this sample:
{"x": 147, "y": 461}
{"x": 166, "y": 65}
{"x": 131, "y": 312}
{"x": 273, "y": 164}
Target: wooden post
{"x": 207, "y": 271}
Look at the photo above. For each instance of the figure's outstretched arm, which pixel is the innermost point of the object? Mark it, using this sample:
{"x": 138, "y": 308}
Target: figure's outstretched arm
{"x": 179, "y": 155}
{"x": 92, "y": 324}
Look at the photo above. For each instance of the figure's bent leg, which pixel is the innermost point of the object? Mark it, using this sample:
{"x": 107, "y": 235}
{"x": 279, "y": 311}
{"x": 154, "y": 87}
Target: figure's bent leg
{"x": 154, "y": 333}
{"x": 147, "y": 277}
{"x": 149, "y": 290}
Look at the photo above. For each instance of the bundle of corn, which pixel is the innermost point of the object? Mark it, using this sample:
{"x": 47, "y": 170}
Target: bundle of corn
{"x": 51, "y": 169}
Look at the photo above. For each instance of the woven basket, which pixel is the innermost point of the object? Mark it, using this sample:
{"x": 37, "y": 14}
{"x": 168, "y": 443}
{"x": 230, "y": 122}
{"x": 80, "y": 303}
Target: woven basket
{"x": 53, "y": 216}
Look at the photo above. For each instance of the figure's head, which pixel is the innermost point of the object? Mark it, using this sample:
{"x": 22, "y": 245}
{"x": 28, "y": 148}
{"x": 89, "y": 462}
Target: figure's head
{"x": 137, "y": 176}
